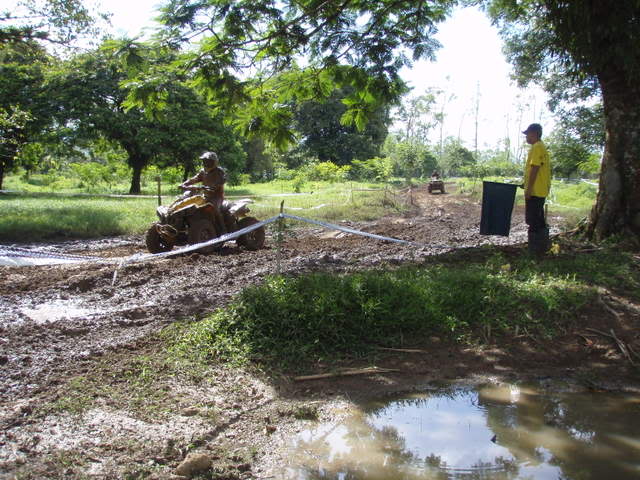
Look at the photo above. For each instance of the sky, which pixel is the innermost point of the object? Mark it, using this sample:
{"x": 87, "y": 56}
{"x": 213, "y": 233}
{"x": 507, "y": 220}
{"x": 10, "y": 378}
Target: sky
{"x": 470, "y": 61}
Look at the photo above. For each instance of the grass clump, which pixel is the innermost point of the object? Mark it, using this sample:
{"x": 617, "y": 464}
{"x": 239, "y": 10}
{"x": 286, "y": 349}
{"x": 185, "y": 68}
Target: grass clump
{"x": 294, "y": 322}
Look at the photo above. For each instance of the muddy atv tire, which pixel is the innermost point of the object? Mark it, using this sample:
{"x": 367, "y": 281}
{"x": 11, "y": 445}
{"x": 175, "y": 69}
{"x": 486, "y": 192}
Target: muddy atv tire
{"x": 253, "y": 240}
{"x": 201, "y": 230}
{"x": 154, "y": 241}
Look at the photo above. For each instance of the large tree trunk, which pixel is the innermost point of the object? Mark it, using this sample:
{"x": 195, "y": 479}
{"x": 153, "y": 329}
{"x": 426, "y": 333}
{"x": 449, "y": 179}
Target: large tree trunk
{"x": 135, "y": 188}
{"x": 617, "y": 209}
{"x": 137, "y": 161}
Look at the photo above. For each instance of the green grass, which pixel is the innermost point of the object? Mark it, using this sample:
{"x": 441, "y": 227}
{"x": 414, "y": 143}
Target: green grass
{"x": 43, "y": 216}
{"x": 33, "y": 217}
{"x": 293, "y": 322}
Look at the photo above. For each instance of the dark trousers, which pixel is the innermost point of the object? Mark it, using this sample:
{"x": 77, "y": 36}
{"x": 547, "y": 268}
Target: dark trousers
{"x": 534, "y": 214}
{"x": 538, "y": 230}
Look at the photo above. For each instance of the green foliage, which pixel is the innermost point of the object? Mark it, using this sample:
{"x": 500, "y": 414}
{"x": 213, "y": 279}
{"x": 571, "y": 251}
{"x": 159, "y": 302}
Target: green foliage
{"x": 294, "y": 322}
{"x": 326, "y": 171}
{"x": 375, "y": 169}
{"x": 91, "y": 174}
{"x": 90, "y": 93}
{"x": 54, "y": 21}
{"x": 567, "y": 153}
{"x": 455, "y": 157}
{"x": 325, "y": 136}
{"x": 23, "y": 107}
{"x": 351, "y": 44}
{"x": 410, "y": 158}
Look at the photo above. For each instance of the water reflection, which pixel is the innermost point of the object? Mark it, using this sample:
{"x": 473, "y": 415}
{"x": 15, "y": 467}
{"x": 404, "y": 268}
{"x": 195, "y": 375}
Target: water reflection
{"x": 487, "y": 432}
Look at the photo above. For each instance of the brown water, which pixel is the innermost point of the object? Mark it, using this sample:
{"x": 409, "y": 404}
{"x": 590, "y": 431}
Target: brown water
{"x": 545, "y": 431}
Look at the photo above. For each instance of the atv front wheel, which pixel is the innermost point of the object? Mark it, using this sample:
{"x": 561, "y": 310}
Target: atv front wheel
{"x": 155, "y": 243}
{"x": 253, "y": 240}
{"x": 200, "y": 231}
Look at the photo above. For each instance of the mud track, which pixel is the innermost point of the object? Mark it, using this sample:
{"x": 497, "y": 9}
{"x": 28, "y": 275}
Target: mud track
{"x": 57, "y": 322}
{"x": 54, "y": 318}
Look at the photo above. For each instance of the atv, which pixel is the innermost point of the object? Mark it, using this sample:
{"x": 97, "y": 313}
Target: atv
{"x": 435, "y": 184}
{"x": 190, "y": 219}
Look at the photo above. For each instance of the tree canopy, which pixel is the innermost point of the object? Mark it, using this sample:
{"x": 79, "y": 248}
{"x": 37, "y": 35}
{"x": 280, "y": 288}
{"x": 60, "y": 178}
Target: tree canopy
{"x": 59, "y": 22}
{"x": 89, "y": 98}
{"x": 322, "y": 46}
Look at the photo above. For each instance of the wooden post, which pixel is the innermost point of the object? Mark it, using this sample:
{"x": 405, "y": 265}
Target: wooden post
{"x": 159, "y": 193}
{"x": 280, "y": 238}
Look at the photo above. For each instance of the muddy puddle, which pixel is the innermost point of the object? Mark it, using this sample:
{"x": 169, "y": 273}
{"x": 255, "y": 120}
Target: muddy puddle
{"x": 55, "y": 311}
{"x": 542, "y": 431}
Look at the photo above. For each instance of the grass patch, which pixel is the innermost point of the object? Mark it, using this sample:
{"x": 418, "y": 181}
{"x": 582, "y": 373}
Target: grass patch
{"x": 46, "y": 216}
{"x": 140, "y": 385}
{"x": 292, "y": 323}
{"x": 41, "y": 217}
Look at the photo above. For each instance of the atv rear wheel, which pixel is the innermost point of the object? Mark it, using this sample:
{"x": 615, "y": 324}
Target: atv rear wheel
{"x": 201, "y": 230}
{"x": 155, "y": 243}
{"x": 253, "y": 240}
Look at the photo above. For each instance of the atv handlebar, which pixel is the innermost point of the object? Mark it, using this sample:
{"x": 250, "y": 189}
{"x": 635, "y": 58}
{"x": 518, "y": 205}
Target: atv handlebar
{"x": 197, "y": 188}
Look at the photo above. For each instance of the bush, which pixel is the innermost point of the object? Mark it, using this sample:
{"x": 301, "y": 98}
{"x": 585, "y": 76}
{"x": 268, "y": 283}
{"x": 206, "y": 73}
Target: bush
{"x": 326, "y": 171}
{"x": 91, "y": 174}
{"x": 376, "y": 169}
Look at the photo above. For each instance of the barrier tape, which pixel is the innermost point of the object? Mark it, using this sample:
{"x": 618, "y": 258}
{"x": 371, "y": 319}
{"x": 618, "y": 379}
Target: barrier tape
{"x": 353, "y": 231}
{"x": 25, "y": 252}
{"x": 142, "y": 257}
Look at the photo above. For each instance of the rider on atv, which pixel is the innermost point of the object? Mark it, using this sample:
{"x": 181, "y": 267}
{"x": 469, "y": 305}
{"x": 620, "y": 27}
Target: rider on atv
{"x": 213, "y": 177}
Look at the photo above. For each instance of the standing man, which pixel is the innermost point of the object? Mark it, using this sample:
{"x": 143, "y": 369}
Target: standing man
{"x": 212, "y": 176}
{"x": 537, "y": 183}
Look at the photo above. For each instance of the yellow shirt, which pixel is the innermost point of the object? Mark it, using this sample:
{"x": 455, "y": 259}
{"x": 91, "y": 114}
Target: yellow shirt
{"x": 538, "y": 155}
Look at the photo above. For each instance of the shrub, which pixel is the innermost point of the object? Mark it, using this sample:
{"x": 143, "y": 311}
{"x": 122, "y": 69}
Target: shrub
{"x": 326, "y": 171}
{"x": 377, "y": 168}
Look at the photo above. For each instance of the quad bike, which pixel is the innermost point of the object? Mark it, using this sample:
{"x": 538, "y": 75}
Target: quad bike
{"x": 190, "y": 219}
{"x": 435, "y": 184}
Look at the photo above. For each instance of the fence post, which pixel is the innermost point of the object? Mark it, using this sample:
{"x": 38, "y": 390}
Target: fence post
{"x": 280, "y": 238}
{"x": 158, "y": 179}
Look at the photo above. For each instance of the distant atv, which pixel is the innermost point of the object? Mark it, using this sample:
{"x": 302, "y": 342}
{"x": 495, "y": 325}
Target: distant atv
{"x": 435, "y": 184}
{"x": 190, "y": 220}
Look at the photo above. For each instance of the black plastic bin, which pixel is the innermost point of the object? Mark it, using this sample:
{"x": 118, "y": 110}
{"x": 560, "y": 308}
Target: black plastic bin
{"x": 497, "y": 206}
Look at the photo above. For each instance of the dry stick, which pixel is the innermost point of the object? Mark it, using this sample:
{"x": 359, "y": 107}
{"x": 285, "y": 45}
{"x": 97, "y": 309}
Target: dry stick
{"x": 608, "y": 308}
{"x": 619, "y": 343}
{"x": 635, "y": 354}
{"x": 405, "y": 350}
{"x": 622, "y": 347}
{"x": 364, "y": 371}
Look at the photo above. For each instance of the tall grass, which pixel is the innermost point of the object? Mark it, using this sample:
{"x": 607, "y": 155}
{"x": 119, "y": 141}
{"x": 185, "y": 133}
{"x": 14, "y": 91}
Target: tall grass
{"x": 294, "y": 322}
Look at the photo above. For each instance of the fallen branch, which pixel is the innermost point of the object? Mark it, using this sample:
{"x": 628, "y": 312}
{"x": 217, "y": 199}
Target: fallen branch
{"x": 599, "y": 332}
{"x": 608, "y": 308}
{"x": 621, "y": 345}
{"x": 363, "y": 371}
{"x": 405, "y": 350}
